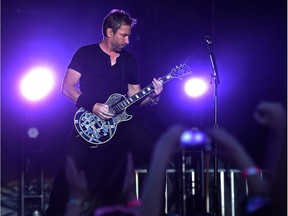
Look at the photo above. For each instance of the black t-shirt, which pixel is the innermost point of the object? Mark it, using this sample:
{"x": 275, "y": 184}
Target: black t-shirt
{"x": 98, "y": 78}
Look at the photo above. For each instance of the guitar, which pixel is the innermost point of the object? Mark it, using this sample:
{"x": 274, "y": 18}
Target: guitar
{"x": 98, "y": 131}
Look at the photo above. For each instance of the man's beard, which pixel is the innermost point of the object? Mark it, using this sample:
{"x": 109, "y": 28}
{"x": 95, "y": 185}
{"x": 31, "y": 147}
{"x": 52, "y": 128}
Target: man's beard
{"x": 116, "y": 47}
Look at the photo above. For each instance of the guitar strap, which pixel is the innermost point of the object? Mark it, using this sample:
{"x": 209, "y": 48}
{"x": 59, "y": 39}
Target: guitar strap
{"x": 123, "y": 73}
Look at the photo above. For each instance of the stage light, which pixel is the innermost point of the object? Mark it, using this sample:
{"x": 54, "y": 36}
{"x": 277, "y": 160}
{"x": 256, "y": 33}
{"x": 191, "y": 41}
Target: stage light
{"x": 195, "y": 87}
{"x": 195, "y": 138}
{"x": 33, "y": 132}
{"x": 37, "y": 84}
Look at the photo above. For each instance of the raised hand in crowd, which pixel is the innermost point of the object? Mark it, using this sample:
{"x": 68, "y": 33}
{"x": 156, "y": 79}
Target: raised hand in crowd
{"x": 233, "y": 151}
{"x": 273, "y": 116}
{"x": 77, "y": 186}
{"x": 166, "y": 146}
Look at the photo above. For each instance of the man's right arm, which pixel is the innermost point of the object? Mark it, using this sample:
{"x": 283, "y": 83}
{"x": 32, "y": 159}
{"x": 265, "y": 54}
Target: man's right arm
{"x": 69, "y": 88}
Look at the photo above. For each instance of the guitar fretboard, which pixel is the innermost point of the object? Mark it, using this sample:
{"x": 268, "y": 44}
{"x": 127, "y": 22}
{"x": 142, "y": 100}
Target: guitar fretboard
{"x": 143, "y": 93}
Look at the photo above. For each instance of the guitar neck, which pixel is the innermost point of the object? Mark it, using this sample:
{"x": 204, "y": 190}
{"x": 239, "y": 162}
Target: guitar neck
{"x": 143, "y": 93}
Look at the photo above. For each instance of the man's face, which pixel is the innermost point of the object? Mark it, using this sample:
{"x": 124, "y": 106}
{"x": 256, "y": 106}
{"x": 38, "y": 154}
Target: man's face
{"x": 120, "y": 39}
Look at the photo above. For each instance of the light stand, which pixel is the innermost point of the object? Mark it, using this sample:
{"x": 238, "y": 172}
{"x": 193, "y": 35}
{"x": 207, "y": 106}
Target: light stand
{"x": 216, "y": 81}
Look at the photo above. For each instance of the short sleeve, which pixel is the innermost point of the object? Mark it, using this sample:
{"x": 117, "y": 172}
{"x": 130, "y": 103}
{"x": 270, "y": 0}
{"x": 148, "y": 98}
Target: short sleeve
{"x": 77, "y": 61}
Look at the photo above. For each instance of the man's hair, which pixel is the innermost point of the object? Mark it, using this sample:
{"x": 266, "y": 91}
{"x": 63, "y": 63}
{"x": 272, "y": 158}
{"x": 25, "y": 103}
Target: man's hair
{"x": 115, "y": 19}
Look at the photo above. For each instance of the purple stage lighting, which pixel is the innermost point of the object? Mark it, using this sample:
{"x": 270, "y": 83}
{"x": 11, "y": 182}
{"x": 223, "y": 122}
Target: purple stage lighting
{"x": 195, "y": 87}
{"x": 195, "y": 138}
{"x": 37, "y": 84}
{"x": 33, "y": 132}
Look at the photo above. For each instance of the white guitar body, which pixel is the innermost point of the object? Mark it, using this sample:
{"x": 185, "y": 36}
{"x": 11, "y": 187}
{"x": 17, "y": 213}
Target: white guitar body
{"x": 96, "y": 130}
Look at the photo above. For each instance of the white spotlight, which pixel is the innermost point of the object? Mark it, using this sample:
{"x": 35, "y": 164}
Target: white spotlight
{"x": 37, "y": 84}
{"x": 195, "y": 87}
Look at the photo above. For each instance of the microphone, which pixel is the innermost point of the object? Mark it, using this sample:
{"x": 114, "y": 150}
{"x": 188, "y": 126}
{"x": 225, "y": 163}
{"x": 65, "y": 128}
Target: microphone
{"x": 208, "y": 39}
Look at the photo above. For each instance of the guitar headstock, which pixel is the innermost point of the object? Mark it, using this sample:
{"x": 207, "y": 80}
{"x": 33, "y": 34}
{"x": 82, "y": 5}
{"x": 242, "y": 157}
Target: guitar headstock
{"x": 180, "y": 71}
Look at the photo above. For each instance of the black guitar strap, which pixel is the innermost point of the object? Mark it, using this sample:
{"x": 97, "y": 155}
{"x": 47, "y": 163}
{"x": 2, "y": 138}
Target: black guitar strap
{"x": 123, "y": 73}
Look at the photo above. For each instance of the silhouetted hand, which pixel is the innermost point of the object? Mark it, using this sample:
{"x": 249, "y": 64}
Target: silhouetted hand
{"x": 230, "y": 147}
{"x": 271, "y": 114}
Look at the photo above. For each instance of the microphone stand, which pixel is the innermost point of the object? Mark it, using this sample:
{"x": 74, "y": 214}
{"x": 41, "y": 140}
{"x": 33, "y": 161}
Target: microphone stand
{"x": 216, "y": 82}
